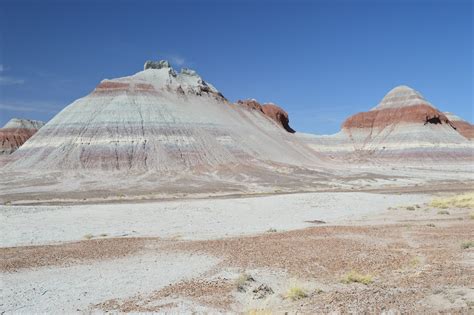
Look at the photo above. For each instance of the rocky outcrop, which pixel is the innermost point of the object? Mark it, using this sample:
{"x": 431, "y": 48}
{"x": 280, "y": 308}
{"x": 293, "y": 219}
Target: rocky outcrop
{"x": 277, "y": 114}
{"x": 16, "y": 132}
{"x": 149, "y": 64}
{"x": 463, "y": 127}
{"x": 271, "y": 110}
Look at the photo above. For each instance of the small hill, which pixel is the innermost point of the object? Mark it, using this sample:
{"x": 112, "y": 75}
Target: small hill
{"x": 403, "y": 127}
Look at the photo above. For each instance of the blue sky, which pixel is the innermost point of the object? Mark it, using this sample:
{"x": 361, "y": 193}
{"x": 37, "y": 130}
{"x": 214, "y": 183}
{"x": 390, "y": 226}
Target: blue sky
{"x": 320, "y": 60}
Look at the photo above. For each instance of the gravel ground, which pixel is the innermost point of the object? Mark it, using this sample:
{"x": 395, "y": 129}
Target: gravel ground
{"x": 412, "y": 254}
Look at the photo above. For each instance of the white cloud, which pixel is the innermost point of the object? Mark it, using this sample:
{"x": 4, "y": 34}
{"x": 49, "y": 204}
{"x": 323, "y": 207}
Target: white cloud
{"x": 31, "y": 107}
{"x": 177, "y": 60}
{"x": 4, "y": 80}
{"x": 174, "y": 59}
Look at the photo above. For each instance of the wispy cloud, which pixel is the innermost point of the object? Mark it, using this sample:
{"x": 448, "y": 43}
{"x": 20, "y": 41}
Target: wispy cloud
{"x": 177, "y": 60}
{"x": 30, "y": 107}
{"x": 5, "y": 80}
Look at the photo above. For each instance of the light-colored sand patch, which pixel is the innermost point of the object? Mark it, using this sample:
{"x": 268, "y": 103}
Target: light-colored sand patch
{"x": 189, "y": 219}
{"x": 75, "y": 288}
{"x": 450, "y": 298}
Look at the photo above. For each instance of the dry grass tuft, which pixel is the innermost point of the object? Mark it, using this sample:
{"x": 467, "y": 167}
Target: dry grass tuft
{"x": 443, "y": 212}
{"x": 468, "y": 244}
{"x": 88, "y": 236}
{"x": 415, "y": 261}
{"x": 354, "y": 276}
{"x": 459, "y": 201}
{"x": 296, "y": 293}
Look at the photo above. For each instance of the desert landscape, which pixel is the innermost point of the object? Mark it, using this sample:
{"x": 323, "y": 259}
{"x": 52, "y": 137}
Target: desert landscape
{"x": 319, "y": 160}
{"x": 154, "y": 193}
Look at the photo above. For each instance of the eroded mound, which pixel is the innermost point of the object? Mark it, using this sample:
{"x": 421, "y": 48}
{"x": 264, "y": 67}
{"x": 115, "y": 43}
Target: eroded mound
{"x": 16, "y": 132}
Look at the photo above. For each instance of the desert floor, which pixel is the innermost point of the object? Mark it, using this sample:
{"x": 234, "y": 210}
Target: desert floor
{"x": 298, "y": 253}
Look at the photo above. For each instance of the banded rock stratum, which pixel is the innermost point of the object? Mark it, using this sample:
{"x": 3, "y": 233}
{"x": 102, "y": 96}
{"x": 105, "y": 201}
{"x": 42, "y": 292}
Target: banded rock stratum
{"x": 161, "y": 120}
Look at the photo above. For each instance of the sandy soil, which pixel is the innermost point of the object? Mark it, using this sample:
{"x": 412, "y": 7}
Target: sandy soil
{"x": 189, "y": 219}
{"x": 59, "y": 258}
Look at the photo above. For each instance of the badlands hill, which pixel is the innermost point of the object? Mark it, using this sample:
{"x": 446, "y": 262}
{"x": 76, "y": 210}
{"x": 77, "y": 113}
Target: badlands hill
{"x": 403, "y": 126}
{"x": 161, "y": 120}
{"x": 16, "y": 132}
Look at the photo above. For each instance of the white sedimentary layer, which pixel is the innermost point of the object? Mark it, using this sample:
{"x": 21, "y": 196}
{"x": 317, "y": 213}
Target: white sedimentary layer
{"x": 24, "y": 123}
{"x": 453, "y": 117}
{"x": 402, "y": 96}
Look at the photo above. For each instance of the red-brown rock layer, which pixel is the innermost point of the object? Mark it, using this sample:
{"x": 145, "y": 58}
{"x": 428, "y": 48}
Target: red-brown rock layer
{"x": 277, "y": 114}
{"x": 12, "y": 138}
{"x": 107, "y": 87}
{"x": 272, "y": 111}
{"x": 381, "y": 118}
{"x": 464, "y": 128}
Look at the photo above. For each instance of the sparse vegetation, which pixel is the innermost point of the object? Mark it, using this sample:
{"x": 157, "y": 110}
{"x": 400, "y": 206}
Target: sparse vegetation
{"x": 460, "y": 201}
{"x": 103, "y": 235}
{"x": 415, "y": 261}
{"x": 431, "y": 225}
{"x": 296, "y": 293}
{"x": 443, "y": 212}
{"x": 88, "y": 236}
{"x": 242, "y": 280}
{"x": 471, "y": 215}
{"x": 468, "y": 244}
{"x": 410, "y": 208}
{"x": 7, "y": 203}
{"x": 271, "y": 230}
{"x": 354, "y": 276}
